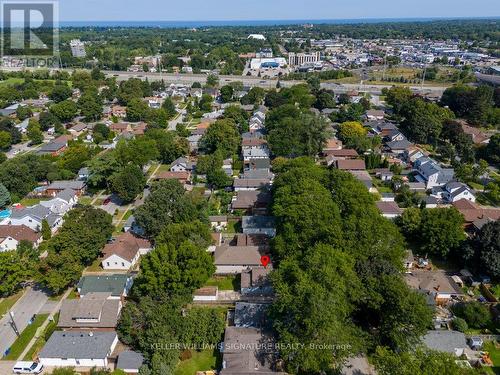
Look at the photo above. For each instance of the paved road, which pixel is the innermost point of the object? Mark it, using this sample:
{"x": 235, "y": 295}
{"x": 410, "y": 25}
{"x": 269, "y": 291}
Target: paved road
{"x": 189, "y": 79}
{"x": 27, "y": 306}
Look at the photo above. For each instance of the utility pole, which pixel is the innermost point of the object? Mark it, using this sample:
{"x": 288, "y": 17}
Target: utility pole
{"x": 13, "y": 323}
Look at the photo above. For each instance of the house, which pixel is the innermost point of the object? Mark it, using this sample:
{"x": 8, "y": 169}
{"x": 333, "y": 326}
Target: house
{"x": 384, "y": 174}
{"x": 255, "y": 281}
{"x": 194, "y": 140}
{"x": 119, "y": 111}
{"x": 454, "y": 191}
{"x": 418, "y": 187}
{"x": 52, "y": 148}
{"x": 206, "y": 294}
{"x": 124, "y": 252}
{"x": 394, "y": 136}
{"x": 182, "y": 177}
{"x": 181, "y": 165}
{"x": 258, "y": 164}
{"x": 240, "y": 357}
{"x": 259, "y": 225}
{"x": 374, "y": 115}
{"x": 389, "y": 210}
{"x": 473, "y": 212}
{"x": 129, "y": 361}
{"x": 63, "y": 201}
{"x": 235, "y": 259}
{"x": 33, "y": 217}
{"x": 117, "y": 285}
{"x": 430, "y": 172}
{"x": 387, "y": 197}
{"x": 254, "y": 148}
{"x": 255, "y": 201}
{"x": 94, "y": 311}
{"x": 365, "y": 178}
{"x": 350, "y": 164}
{"x": 478, "y": 136}
{"x": 431, "y": 202}
{"x": 57, "y": 187}
{"x": 132, "y": 226}
{"x": 437, "y": 282}
{"x": 218, "y": 222}
{"x": 12, "y": 235}
{"x": 78, "y": 349}
{"x": 246, "y": 184}
{"x": 78, "y": 129}
{"x": 399, "y": 147}
{"x": 227, "y": 167}
{"x": 250, "y": 315}
{"x": 83, "y": 174}
{"x": 412, "y": 154}
{"x": 345, "y": 153}
{"x": 452, "y": 342}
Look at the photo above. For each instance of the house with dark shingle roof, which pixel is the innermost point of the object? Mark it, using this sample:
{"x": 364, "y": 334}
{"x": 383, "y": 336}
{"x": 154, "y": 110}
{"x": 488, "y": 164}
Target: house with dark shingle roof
{"x": 452, "y": 342}
{"x": 130, "y": 361}
{"x": 78, "y": 349}
{"x": 117, "y": 285}
{"x": 12, "y": 235}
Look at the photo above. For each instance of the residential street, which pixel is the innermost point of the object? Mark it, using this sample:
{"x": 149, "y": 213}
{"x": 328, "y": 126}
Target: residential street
{"x": 27, "y": 306}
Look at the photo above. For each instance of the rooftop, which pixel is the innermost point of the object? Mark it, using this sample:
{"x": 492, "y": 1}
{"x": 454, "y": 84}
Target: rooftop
{"x": 78, "y": 344}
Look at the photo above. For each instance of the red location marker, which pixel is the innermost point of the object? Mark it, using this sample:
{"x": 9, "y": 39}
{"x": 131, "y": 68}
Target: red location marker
{"x": 264, "y": 260}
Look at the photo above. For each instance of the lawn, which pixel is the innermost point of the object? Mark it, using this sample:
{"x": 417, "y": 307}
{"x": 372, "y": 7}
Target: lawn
{"x": 233, "y": 226}
{"x": 30, "y": 201}
{"x": 7, "y": 302}
{"x": 11, "y": 81}
{"x": 225, "y": 282}
{"x": 23, "y": 340}
{"x": 85, "y": 200}
{"x": 200, "y": 361}
{"x": 40, "y": 341}
{"x": 494, "y": 351}
{"x": 164, "y": 168}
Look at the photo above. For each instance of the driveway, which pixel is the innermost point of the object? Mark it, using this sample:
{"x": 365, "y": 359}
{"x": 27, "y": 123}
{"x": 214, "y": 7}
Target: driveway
{"x": 27, "y": 306}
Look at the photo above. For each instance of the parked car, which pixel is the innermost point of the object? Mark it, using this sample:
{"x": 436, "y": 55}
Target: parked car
{"x": 25, "y": 367}
{"x": 106, "y": 201}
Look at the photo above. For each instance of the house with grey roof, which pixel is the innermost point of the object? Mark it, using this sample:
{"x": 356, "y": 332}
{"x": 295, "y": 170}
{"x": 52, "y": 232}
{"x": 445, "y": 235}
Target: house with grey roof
{"x": 94, "y": 311}
{"x": 130, "y": 361}
{"x": 235, "y": 259}
{"x": 181, "y": 165}
{"x": 452, "y": 342}
{"x": 259, "y": 225}
{"x": 431, "y": 173}
{"x": 62, "y": 202}
{"x": 453, "y": 191}
{"x": 33, "y": 217}
{"x": 117, "y": 285}
{"x": 78, "y": 349}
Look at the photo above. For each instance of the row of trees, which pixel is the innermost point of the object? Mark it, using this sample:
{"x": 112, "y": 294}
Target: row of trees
{"x": 169, "y": 274}
{"x": 338, "y": 279}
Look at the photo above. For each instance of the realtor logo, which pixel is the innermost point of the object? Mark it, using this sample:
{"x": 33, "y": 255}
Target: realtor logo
{"x": 30, "y": 29}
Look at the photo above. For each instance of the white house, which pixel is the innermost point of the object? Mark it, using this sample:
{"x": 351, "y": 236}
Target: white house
{"x": 430, "y": 172}
{"x": 181, "y": 165}
{"x": 12, "y": 235}
{"x": 62, "y": 202}
{"x": 78, "y": 349}
{"x": 33, "y": 217}
{"x": 124, "y": 252}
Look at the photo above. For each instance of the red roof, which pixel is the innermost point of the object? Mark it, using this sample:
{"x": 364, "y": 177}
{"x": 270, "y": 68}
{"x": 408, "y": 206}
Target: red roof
{"x": 351, "y": 164}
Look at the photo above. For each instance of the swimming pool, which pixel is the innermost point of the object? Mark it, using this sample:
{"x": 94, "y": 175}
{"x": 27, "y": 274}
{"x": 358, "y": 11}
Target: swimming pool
{"x": 4, "y": 214}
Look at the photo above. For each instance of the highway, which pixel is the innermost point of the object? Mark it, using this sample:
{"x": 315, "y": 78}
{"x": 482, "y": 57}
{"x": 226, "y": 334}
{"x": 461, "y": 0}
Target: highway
{"x": 189, "y": 79}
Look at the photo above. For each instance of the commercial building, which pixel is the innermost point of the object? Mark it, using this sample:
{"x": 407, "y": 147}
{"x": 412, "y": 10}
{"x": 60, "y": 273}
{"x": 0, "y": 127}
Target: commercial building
{"x": 298, "y": 59}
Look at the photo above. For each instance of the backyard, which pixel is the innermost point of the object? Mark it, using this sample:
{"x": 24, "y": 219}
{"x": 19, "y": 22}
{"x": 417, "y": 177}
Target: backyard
{"x": 200, "y": 361}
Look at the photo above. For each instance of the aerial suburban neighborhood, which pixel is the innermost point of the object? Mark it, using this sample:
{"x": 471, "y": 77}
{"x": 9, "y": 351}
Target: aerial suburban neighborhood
{"x": 253, "y": 198}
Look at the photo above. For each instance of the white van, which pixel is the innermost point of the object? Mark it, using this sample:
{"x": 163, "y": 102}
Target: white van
{"x": 23, "y": 367}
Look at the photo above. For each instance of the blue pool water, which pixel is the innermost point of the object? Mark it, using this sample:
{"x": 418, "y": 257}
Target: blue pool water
{"x": 4, "y": 214}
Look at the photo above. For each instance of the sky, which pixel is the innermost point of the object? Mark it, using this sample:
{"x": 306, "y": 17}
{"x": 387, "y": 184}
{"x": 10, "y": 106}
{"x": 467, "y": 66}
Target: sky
{"x": 209, "y": 10}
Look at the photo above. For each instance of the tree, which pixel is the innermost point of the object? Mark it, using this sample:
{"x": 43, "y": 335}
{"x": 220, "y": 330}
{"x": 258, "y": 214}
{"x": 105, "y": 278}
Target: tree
{"x": 65, "y": 111}
{"x": 5, "y": 140}
{"x": 47, "y": 120}
{"x": 128, "y": 183}
{"x": 90, "y": 106}
{"x": 4, "y": 196}
{"x": 441, "y": 230}
{"x": 166, "y": 204}
{"x": 23, "y": 113}
{"x": 46, "y": 231}
{"x": 60, "y": 92}
{"x": 13, "y": 271}
{"x": 324, "y": 100}
{"x": 212, "y": 80}
{"x": 421, "y": 361}
{"x": 138, "y": 151}
{"x": 169, "y": 106}
{"x": 303, "y": 135}
{"x": 206, "y": 103}
{"x": 34, "y": 132}
{"x": 172, "y": 269}
{"x": 492, "y": 151}
{"x": 459, "y": 324}
{"x": 485, "y": 250}
{"x": 221, "y": 136}
{"x": 474, "y": 313}
{"x": 169, "y": 145}
{"x": 137, "y": 110}
{"x": 350, "y": 132}
{"x": 226, "y": 93}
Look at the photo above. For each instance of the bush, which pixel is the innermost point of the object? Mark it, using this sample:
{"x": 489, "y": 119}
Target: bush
{"x": 186, "y": 354}
{"x": 474, "y": 313}
{"x": 459, "y": 324}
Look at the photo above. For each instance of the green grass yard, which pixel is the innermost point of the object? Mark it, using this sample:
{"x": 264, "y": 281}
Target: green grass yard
{"x": 225, "y": 282}
{"x": 200, "y": 361}
{"x": 29, "y": 332}
{"x": 7, "y": 302}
